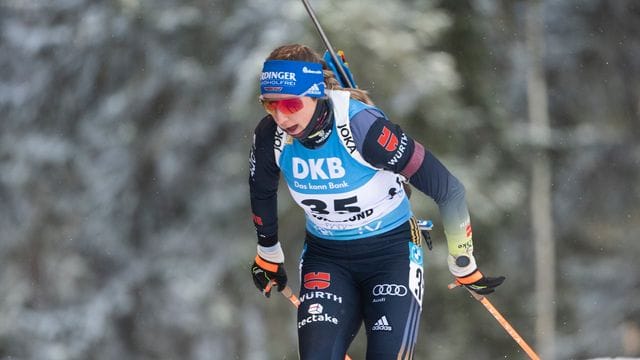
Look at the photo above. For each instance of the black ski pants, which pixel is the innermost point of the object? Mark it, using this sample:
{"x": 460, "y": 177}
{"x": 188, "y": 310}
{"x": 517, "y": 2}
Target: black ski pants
{"x": 377, "y": 281}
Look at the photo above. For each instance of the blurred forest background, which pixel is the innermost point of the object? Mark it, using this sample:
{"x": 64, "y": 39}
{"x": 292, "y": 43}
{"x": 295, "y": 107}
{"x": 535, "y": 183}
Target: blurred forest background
{"x": 125, "y": 126}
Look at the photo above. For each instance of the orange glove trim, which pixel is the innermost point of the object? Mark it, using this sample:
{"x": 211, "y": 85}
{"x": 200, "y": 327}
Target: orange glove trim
{"x": 471, "y": 278}
{"x": 266, "y": 265}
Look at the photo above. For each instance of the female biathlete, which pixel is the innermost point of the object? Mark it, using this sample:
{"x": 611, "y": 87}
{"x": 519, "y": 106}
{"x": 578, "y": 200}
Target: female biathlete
{"x": 345, "y": 164}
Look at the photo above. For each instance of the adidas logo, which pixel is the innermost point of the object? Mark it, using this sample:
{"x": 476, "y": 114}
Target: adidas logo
{"x": 381, "y": 325}
{"x": 314, "y": 90}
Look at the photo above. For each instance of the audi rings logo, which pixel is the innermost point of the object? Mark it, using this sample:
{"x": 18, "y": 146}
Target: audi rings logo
{"x": 389, "y": 290}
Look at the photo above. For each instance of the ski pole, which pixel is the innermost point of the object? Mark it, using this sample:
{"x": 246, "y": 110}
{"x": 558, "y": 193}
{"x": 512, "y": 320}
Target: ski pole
{"x": 501, "y": 320}
{"x": 325, "y": 40}
{"x": 288, "y": 293}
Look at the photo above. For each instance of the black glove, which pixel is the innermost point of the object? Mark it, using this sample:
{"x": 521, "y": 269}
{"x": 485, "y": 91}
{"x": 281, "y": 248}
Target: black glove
{"x": 264, "y": 272}
{"x": 479, "y": 283}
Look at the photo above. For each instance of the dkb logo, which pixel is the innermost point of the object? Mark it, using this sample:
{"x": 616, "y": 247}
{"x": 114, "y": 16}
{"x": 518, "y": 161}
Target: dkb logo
{"x": 329, "y": 168}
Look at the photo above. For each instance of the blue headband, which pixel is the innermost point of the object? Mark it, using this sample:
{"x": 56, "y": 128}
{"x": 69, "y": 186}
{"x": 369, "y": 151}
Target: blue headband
{"x": 289, "y": 77}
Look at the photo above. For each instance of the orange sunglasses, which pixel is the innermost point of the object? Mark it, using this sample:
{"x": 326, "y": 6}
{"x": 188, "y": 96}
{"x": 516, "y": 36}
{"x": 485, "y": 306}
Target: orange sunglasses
{"x": 286, "y": 106}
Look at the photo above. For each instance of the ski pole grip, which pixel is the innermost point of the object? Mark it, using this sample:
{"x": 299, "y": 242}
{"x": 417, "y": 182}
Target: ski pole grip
{"x": 288, "y": 293}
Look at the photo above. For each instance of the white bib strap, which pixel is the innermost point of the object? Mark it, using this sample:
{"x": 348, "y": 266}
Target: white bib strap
{"x": 340, "y": 101}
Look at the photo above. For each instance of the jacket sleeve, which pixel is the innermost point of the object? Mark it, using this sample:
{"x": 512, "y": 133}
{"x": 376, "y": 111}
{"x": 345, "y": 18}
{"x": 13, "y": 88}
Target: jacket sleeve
{"x": 386, "y": 146}
{"x": 264, "y": 175}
